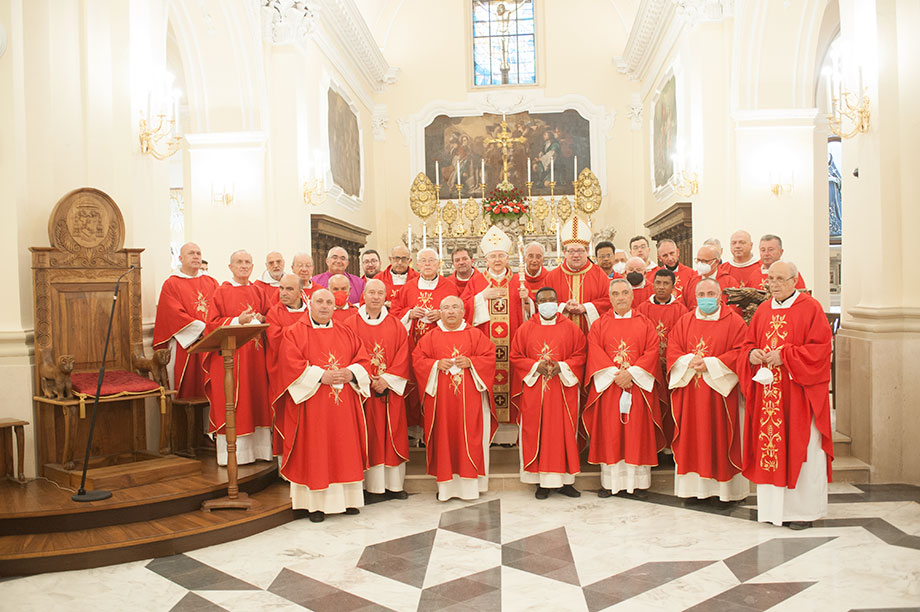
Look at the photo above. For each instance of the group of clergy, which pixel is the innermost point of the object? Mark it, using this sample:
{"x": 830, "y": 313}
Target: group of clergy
{"x": 624, "y": 357}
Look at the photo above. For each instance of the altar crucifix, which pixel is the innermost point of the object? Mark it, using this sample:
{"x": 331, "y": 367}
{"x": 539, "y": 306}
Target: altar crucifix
{"x": 505, "y": 140}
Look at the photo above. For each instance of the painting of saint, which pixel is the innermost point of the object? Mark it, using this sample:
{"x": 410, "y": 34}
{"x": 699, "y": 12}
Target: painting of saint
{"x": 344, "y": 145}
{"x": 664, "y": 134}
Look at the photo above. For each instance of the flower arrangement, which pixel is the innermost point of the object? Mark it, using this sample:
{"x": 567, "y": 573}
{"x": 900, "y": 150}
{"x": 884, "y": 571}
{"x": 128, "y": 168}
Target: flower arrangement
{"x": 504, "y": 203}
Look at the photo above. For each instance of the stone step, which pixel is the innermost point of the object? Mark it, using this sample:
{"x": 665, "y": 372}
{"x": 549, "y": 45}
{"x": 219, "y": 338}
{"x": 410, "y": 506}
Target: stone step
{"x": 842, "y": 444}
{"x": 852, "y": 470}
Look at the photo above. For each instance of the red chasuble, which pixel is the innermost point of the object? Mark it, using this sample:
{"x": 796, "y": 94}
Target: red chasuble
{"x": 410, "y": 297}
{"x": 682, "y": 276}
{"x": 778, "y": 416}
{"x": 505, "y": 316}
{"x": 340, "y": 315}
{"x": 747, "y": 276}
{"x": 453, "y": 415}
{"x": 393, "y": 290}
{"x": 387, "y": 345}
{"x": 271, "y": 292}
{"x": 325, "y": 440}
{"x": 182, "y": 301}
{"x": 533, "y": 283}
{"x": 278, "y": 318}
{"x": 548, "y": 410}
{"x": 663, "y": 317}
{"x": 724, "y": 280}
{"x": 249, "y": 373}
{"x": 642, "y": 294}
{"x": 588, "y": 285}
{"x": 636, "y": 437}
{"x": 707, "y": 436}
{"x": 461, "y": 284}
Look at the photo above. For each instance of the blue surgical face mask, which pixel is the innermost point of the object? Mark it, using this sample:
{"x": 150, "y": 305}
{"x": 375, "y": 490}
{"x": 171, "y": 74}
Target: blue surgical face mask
{"x": 708, "y": 305}
{"x": 548, "y": 310}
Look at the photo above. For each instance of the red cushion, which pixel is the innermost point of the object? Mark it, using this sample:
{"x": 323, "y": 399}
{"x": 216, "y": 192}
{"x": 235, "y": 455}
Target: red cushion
{"x": 113, "y": 383}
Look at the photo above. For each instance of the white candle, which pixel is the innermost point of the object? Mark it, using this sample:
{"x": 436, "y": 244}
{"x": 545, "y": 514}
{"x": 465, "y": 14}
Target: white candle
{"x": 552, "y": 171}
{"x": 558, "y": 242}
{"x": 458, "y": 171}
{"x": 440, "y": 241}
{"x": 520, "y": 254}
{"x": 482, "y": 170}
{"x": 576, "y": 168}
{"x": 437, "y": 178}
{"x": 528, "y": 171}
{"x": 425, "y": 235}
{"x": 409, "y": 239}
{"x": 503, "y": 117}
{"x": 860, "y": 90}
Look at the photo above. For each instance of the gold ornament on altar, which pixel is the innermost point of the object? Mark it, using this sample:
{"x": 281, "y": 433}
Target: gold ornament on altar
{"x": 422, "y": 197}
{"x": 564, "y": 209}
{"x": 541, "y": 212}
{"x": 588, "y": 192}
{"x": 449, "y": 215}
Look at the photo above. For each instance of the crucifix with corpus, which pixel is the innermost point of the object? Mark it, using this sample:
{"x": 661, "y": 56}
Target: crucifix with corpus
{"x": 505, "y": 140}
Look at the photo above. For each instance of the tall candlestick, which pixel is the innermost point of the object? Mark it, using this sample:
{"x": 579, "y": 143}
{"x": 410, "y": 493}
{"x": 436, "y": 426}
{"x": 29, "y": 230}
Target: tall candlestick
{"x": 576, "y": 169}
{"x": 440, "y": 242}
{"x": 528, "y": 170}
{"x": 409, "y": 239}
{"x": 520, "y": 255}
{"x": 482, "y": 170}
{"x": 437, "y": 174}
{"x": 558, "y": 245}
{"x": 552, "y": 170}
{"x": 458, "y": 171}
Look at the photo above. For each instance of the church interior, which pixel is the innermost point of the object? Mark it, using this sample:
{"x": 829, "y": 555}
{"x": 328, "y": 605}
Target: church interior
{"x": 132, "y": 127}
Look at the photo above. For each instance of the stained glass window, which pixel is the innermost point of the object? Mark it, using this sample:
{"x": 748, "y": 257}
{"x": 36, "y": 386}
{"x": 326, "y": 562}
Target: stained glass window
{"x": 504, "y": 49}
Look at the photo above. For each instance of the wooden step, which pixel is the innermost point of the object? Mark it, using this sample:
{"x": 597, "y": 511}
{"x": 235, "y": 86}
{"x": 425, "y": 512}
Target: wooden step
{"x": 27, "y": 554}
{"x": 125, "y": 475}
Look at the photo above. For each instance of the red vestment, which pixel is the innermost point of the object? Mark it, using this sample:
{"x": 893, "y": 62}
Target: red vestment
{"x": 393, "y": 289}
{"x": 325, "y": 440}
{"x": 587, "y": 286}
{"x": 637, "y": 437}
{"x": 533, "y": 283}
{"x": 504, "y": 318}
{"x": 183, "y": 301}
{"x": 724, "y": 280}
{"x": 707, "y": 436}
{"x": 249, "y": 369}
{"x": 278, "y": 319}
{"x": 461, "y": 284}
{"x": 682, "y": 276}
{"x": 747, "y": 276}
{"x": 340, "y": 315}
{"x": 663, "y": 317}
{"x": 271, "y": 292}
{"x": 454, "y": 427}
{"x": 642, "y": 294}
{"x": 778, "y": 416}
{"x": 409, "y": 297}
{"x": 387, "y": 345}
{"x": 548, "y": 410}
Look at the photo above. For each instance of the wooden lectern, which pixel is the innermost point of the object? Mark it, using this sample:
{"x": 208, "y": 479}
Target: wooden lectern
{"x": 227, "y": 339}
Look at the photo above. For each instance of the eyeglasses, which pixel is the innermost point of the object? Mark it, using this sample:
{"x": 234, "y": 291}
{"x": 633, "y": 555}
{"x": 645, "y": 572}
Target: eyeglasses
{"x": 399, "y": 258}
{"x": 775, "y": 279}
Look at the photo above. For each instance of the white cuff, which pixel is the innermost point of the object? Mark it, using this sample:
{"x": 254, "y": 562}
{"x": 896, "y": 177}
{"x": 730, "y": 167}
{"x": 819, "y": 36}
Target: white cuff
{"x": 681, "y": 374}
{"x": 406, "y": 321}
{"x": 480, "y": 309}
{"x": 604, "y": 378}
{"x": 362, "y": 382}
{"x": 719, "y": 376}
{"x": 566, "y": 375}
{"x": 532, "y": 375}
{"x": 642, "y": 378}
{"x": 480, "y": 384}
{"x": 431, "y": 387}
{"x": 591, "y": 313}
{"x": 188, "y": 334}
{"x": 396, "y": 383}
{"x": 304, "y": 387}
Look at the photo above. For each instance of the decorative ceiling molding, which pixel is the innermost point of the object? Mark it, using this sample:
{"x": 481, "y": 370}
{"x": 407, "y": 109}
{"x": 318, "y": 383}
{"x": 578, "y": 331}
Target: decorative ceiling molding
{"x": 652, "y": 22}
{"x": 379, "y": 120}
{"x": 342, "y": 35}
{"x": 704, "y": 11}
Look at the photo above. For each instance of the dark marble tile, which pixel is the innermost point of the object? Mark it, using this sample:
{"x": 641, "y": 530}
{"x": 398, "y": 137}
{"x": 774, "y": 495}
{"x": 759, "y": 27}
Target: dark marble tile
{"x": 773, "y": 553}
{"x": 195, "y": 603}
{"x": 890, "y": 492}
{"x": 403, "y": 559}
{"x": 195, "y": 575}
{"x": 480, "y": 591}
{"x": 752, "y": 596}
{"x": 482, "y": 521}
{"x": 637, "y": 580}
{"x": 545, "y": 554}
{"x": 318, "y": 596}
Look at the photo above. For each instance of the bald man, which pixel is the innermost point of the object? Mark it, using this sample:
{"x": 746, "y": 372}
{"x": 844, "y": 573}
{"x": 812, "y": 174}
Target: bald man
{"x": 398, "y": 273}
{"x": 181, "y": 312}
{"x": 636, "y": 276}
{"x": 339, "y": 286}
{"x": 707, "y": 266}
{"x": 337, "y": 263}
{"x": 271, "y": 276}
{"x": 743, "y": 264}
{"x": 302, "y": 266}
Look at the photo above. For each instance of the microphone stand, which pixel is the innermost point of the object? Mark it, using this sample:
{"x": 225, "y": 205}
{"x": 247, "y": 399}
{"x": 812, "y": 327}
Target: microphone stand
{"x": 82, "y": 495}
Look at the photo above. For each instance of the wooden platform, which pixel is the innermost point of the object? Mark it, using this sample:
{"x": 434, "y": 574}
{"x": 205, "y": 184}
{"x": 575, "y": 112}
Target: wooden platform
{"x": 43, "y": 530}
{"x": 134, "y": 472}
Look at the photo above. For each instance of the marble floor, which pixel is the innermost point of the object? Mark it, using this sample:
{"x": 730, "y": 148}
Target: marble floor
{"x": 508, "y": 551}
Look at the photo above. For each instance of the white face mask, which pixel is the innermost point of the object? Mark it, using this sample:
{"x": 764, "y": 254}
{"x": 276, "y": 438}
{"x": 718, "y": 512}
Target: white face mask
{"x": 548, "y": 309}
{"x": 619, "y": 267}
{"x": 702, "y": 268}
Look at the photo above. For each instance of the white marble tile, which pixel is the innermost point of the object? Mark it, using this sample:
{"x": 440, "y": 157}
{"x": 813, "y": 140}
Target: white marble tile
{"x": 455, "y": 555}
{"x": 684, "y": 592}
{"x": 247, "y": 601}
{"x": 523, "y": 591}
{"x": 118, "y": 587}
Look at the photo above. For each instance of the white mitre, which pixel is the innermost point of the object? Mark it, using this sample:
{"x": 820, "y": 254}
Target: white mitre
{"x": 575, "y": 231}
{"x": 495, "y": 240}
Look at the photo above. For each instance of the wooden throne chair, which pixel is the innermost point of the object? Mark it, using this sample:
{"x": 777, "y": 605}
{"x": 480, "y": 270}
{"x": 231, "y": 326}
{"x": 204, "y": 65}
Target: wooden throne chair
{"x": 73, "y": 283}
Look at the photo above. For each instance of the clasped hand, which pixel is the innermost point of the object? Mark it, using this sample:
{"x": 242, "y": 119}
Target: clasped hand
{"x": 548, "y": 368}
{"x": 379, "y": 384}
{"x": 336, "y": 377}
{"x": 459, "y": 361}
{"x": 248, "y": 315}
{"x": 574, "y": 307}
{"x": 697, "y": 363}
{"x": 623, "y": 379}
{"x": 493, "y": 293}
{"x": 770, "y": 359}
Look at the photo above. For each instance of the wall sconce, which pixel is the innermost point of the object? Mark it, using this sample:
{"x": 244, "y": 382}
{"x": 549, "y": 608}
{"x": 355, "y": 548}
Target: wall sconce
{"x": 314, "y": 191}
{"x": 222, "y": 194}
{"x": 166, "y": 125}
{"x": 781, "y": 186}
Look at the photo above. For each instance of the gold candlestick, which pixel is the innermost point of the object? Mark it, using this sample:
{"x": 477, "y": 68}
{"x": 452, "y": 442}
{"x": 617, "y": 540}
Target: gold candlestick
{"x": 530, "y": 229}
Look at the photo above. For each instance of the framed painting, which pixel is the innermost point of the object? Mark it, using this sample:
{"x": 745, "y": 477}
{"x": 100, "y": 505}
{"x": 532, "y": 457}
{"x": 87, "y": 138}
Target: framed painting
{"x": 550, "y": 142}
{"x": 344, "y": 145}
{"x": 664, "y": 134}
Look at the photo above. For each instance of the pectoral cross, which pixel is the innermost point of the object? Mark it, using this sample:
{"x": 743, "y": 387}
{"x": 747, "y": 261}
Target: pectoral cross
{"x": 505, "y": 140}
